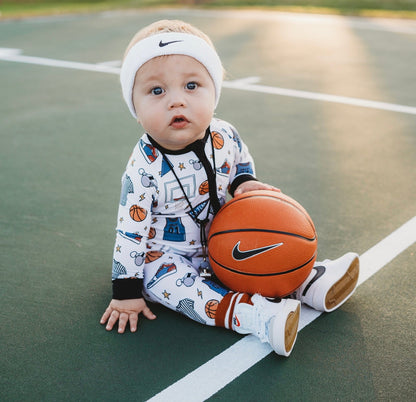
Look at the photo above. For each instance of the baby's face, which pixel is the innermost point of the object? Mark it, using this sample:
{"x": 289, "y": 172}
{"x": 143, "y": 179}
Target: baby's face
{"x": 174, "y": 98}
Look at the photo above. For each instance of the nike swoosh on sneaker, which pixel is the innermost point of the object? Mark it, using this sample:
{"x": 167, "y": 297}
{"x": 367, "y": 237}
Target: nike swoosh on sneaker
{"x": 320, "y": 270}
{"x": 243, "y": 255}
{"x": 163, "y": 44}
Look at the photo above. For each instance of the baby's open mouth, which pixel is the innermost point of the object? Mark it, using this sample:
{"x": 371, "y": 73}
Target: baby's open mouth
{"x": 179, "y": 120}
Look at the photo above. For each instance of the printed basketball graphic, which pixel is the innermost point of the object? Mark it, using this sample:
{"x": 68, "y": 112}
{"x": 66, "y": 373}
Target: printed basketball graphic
{"x": 217, "y": 140}
{"x": 152, "y": 233}
{"x": 262, "y": 242}
{"x": 204, "y": 188}
{"x": 211, "y": 308}
{"x": 137, "y": 213}
{"x": 152, "y": 255}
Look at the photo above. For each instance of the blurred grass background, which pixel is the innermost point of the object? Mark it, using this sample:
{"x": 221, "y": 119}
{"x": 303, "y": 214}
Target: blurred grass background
{"x": 384, "y": 8}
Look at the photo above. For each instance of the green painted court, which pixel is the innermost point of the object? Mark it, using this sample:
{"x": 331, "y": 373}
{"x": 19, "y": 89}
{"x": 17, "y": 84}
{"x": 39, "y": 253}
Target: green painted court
{"x": 327, "y": 106}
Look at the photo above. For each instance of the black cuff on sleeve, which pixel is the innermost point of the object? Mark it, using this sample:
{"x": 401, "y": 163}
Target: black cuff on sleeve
{"x": 130, "y": 288}
{"x": 238, "y": 180}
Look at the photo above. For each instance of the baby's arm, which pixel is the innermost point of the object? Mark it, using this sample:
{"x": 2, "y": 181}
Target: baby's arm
{"x": 125, "y": 311}
{"x": 252, "y": 185}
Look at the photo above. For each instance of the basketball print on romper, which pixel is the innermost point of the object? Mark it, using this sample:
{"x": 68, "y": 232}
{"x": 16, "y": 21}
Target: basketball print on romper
{"x": 152, "y": 233}
{"x": 186, "y": 307}
{"x": 211, "y": 308}
{"x": 153, "y": 255}
{"x": 217, "y": 140}
{"x": 149, "y": 152}
{"x": 137, "y": 213}
{"x": 164, "y": 270}
{"x": 204, "y": 188}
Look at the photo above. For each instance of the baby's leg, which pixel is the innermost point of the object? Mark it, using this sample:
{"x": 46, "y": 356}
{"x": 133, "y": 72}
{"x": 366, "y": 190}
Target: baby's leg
{"x": 174, "y": 282}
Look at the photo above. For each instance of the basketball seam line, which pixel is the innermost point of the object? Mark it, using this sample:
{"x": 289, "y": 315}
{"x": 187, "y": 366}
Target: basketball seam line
{"x": 269, "y": 196}
{"x": 256, "y": 274}
{"x": 261, "y": 230}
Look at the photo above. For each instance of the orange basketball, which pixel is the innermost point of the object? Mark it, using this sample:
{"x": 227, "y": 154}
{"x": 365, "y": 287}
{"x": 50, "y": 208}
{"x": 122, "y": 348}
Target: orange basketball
{"x": 217, "y": 140}
{"x": 137, "y": 213}
{"x": 211, "y": 308}
{"x": 204, "y": 187}
{"x": 262, "y": 242}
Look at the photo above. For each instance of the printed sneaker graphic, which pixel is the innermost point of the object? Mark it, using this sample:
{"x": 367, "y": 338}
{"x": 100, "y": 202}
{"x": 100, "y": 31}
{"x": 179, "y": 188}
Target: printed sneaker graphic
{"x": 243, "y": 255}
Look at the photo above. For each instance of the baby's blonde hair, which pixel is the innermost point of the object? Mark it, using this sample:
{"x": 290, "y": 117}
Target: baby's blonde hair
{"x": 167, "y": 26}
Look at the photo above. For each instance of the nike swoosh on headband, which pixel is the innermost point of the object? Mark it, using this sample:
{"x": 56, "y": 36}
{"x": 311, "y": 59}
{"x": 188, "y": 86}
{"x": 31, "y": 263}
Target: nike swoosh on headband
{"x": 163, "y": 44}
{"x": 243, "y": 255}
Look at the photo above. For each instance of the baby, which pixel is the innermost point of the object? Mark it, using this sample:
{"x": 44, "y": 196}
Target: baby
{"x": 175, "y": 182}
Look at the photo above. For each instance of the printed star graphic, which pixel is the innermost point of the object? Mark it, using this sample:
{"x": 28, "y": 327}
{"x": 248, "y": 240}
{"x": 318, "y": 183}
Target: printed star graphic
{"x": 181, "y": 166}
{"x": 142, "y": 197}
{"x": 199, "y": 293}
{"x": 192, "y": 242}
{"x": 118, "y": 248}
{"x": 133, "y": 162}
{"x": 166, "y": 294}
{"x": 121, "y": 219}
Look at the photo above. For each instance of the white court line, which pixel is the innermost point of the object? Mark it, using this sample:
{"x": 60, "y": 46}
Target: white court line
{"x": 204, "y": 382}
{"x": 244, "y": 84}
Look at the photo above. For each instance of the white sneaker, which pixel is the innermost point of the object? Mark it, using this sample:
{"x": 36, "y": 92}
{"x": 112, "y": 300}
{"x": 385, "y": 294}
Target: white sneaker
{"x": 330, "y": 283}
{"x": 272, "y": 322}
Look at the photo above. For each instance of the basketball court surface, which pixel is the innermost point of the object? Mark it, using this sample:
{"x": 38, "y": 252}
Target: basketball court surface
{"x": 327, "y": 106}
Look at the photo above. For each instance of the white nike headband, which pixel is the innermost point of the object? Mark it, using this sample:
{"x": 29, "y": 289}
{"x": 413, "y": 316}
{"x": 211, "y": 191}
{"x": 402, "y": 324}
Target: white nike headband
{"x": 169, "y": 43}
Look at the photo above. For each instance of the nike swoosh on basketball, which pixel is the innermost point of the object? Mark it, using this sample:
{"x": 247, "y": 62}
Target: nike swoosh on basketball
{"x": 162, "y": 44}
{"x": 243, "y": 255}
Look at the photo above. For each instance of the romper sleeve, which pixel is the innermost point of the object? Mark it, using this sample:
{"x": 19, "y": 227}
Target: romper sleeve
{"x": 244, "y": 169}
{"x": 138, "y": 192}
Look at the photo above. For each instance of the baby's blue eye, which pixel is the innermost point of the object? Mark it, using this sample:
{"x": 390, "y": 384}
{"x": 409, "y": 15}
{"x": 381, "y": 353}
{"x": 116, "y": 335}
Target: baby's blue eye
{"x": 157, "y": 91}
{"x": 191, "y": 85}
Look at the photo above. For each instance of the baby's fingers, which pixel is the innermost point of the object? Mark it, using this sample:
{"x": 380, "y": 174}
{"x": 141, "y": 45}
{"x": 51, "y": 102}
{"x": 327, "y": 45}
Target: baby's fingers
{"x": 148, "y": 314}
{"x": 106, "y": 315}
{"x": 114, "y": 316}
{"x": 133, "y": 318}
{"x": 122, "y": 322}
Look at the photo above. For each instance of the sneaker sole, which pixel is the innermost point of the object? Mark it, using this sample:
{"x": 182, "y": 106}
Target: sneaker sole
{"x": 344, "y": 288}
{"x": 291, "y": 329}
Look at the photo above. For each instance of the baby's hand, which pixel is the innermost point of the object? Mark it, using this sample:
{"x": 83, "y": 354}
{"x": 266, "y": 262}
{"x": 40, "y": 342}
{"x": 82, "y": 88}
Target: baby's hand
{"x": 252, "y": 185}
{"x": 125, "y": 311}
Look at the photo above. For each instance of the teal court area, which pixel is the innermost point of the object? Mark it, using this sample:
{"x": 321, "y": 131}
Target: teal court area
{"x": 327, "y": 106}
